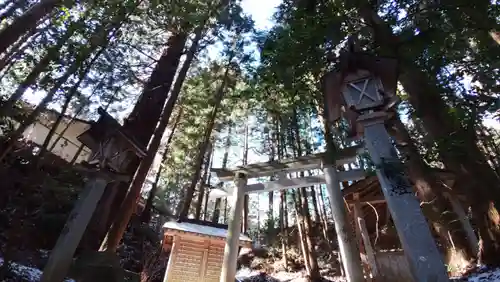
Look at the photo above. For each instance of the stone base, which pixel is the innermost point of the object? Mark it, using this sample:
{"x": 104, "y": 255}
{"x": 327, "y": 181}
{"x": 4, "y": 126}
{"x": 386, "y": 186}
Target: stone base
{"x": 100, "y": 267}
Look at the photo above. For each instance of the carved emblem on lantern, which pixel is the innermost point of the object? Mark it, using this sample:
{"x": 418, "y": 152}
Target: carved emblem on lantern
{"x": 362, "y": 91}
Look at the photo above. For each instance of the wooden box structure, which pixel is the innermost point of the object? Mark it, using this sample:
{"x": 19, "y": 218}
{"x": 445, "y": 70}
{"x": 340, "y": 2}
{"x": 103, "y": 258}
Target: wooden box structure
{"x": 196, "y": 250}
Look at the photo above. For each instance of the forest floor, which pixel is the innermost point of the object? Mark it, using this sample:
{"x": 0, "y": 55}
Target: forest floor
{"x": 31, "y": 274}
{"x": 38, "y": 202}
{"x": 265, "y": 265}
{"x": 244, "y": 275}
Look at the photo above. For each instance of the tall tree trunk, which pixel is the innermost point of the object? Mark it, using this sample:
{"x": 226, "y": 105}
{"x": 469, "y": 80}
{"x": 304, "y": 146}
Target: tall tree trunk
{"x": 270, "y": 217}
{"x": 202, "y": 184}
{"x": 225, "y": 210}
{"x": 146, "y": 109}
{"x": 216, "y": 214}
{"x": 244, "y": 225}
{"x": 225, "y": 158}
{"x": 322, "y": 214}
{"x": 273, "y": 145}
{"x": 314, "y": 274}
{"x": 302, "y": 236}
{"x": 146, "y": 214}
{"x": 457, "y": 147}
{"x": 207, "y": 191}
{"x": 306, "y": 216}
{"x": 116, "y": 231}
{"x": 283, "y": 228}
{"x": 204, "y": 145}
{"x": 10, "y": 34}
{"x": 41, "y": 66}
{"x": 143, "y": 119}
{"x": 317, "y": 217}
{"x": 281, "y": 145}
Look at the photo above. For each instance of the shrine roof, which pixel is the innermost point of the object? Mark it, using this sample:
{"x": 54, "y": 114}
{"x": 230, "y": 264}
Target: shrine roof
{"x": 201, "y": 229}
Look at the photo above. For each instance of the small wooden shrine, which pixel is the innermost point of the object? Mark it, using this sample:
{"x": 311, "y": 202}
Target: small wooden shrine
{"x": 196, "y": 250}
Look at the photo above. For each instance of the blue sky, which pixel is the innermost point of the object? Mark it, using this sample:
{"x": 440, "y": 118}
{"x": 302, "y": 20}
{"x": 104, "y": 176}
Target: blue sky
{"x": 261, "y": 11}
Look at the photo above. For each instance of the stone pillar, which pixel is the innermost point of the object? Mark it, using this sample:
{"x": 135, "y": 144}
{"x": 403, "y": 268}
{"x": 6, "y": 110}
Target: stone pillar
{"x": 61, "y": 256}
{"x": 229, "y": 263}
{"x": 425, "y": 261}
{"x": 347, "y": 241}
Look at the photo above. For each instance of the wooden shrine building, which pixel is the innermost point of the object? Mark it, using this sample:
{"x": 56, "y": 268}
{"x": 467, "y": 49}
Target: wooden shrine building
{"x": 380, "y": 248}
{"x": 196, "y": 250}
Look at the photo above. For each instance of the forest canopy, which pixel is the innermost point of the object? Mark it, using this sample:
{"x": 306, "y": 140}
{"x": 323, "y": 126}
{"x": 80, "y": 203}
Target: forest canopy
{"x": 198, "y": 86}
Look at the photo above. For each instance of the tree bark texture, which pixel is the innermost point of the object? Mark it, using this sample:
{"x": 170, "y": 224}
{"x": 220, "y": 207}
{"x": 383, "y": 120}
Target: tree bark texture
{"x": 225, "y": 158}
{"x": 146, "y": 214}
{"x": 159, "y": 84}
{"x": 144, "y": 117}
{"x": 126, "y": 210}
{"x": 203, "y": 182}
{"x": 244, "y": 225}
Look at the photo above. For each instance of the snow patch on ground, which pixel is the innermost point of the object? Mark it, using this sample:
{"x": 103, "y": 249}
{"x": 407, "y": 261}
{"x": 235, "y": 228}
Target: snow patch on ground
{"x": 483, "y": 275}
{"x": 282, "y": 276}
{"x": 28, "y": 273}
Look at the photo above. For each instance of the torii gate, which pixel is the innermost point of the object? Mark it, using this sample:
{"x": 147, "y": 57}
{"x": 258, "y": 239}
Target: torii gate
{"x": 331, "y": 177}
{"x": 363, "y": 89}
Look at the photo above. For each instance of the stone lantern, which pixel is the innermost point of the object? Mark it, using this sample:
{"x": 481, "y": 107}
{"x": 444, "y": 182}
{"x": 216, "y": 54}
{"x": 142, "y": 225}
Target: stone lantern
{"x": 112, "y": 149}
{"x": 362, "y": 90}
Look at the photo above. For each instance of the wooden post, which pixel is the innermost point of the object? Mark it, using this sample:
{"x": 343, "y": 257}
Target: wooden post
{"x": 347, "y": 246}
{"x": 361, "y": 225}
{"x": 173, "y": 256}
{"x": 61, "y": 256}
{"x": 205, "y": 260}
{"x": 459, "y": 210}
{"x": 356, "y": 212}
{"x": 229, "y": 263}
{"x": 425, "y": 261}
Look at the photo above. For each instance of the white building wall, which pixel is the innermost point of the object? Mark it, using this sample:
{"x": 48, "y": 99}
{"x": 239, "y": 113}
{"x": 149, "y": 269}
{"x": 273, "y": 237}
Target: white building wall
{"x": 66, "y": 147}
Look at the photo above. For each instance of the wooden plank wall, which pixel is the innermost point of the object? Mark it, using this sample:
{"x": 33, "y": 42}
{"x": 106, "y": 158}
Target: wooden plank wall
{"x": 214, "y": 262}
{"x": 197, "y": 261}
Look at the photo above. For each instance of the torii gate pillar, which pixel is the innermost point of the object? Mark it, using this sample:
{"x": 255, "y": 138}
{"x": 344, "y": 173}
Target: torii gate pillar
{"x": 348, "y": 249}
{"x": 229, "y": 263}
